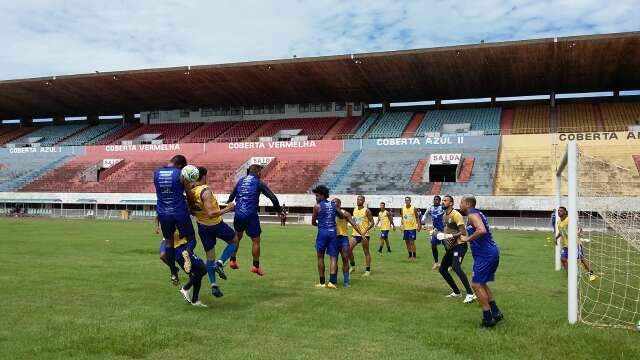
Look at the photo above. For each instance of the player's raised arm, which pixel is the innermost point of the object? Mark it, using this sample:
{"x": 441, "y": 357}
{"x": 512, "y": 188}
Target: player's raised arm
{"x": 476, "y": 222}
{"x": 233, "y": 194}
{"x": 314, "y": 215}
{"x": 264, "y": 189}
{"x": 207, "y": 200}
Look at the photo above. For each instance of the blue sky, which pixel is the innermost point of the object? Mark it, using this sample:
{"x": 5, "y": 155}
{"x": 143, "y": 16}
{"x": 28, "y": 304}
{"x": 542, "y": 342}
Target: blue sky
{"x": 52, "y": 37}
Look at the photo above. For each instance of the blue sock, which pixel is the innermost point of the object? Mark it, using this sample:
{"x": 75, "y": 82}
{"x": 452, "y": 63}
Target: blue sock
{"x": 494, "y": 307}
{"x": 346, "y": 277}
{"x": 226, "y": 254}
{"x": 333, "y": 278}
{"x": 211, "y": 264}
{"x": 486, "y": 314}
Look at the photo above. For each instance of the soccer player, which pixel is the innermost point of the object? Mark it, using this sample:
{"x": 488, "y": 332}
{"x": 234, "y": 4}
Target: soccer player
{"x": 283, "y": 215}
{"x": 436, "y": 212}
{"x": 563, "y": 235}
{"x": 453, "y": 257}
{"x": 212, "y": 227}
{"x": 410, "y": 226}
{"x": 172, "y": 208}
{"x": 343, "y": 238}
{"x": 247, "y": 191}
{"x": 385, "y": 221}
{"x": 163, "y": 252}
{"x": 486, "y": 257}
{"x": 196, "y": 269}
{"x": 363, "y": 220}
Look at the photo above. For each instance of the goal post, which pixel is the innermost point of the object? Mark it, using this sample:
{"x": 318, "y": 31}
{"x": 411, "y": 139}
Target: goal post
{"x": 570, "y": 164}
{"x": 601, "y": 192}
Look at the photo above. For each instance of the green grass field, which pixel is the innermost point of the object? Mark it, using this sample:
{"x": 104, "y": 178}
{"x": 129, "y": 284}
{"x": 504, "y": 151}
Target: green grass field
{"x": 96, "y": 290}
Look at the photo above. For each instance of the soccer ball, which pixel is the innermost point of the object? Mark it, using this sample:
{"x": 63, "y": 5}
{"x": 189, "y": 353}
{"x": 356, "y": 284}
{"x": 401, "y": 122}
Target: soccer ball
{"x": 190, "y": 173}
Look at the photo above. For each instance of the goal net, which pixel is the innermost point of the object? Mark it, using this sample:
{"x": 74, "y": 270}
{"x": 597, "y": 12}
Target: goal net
{"x": 607, "y": 233}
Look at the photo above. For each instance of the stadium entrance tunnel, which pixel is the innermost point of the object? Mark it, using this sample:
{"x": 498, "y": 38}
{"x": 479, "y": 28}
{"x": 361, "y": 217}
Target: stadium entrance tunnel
{"x": 443, "y": 173}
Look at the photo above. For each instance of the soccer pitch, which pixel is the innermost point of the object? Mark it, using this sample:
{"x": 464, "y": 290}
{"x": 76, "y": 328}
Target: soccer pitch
{"x": 96, "y": 290}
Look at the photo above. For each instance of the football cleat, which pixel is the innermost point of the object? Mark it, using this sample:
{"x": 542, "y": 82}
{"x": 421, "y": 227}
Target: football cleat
{"x": 257, "y": 271}
{"x": 219, "y": 268}
{"x": 592, "y": 277}
{"x": 175, "y": 280}
{"x": 199, "y": 304}
{"x": 331, "y": 286}
{"x": 498, "y": 317}
{"x": 187, "y": 261}
{"x": 435, "y": 266}
{"x": 366, "y": 274}
{"x": 215, "y": 291}
{"x": 352, "y": 269}
{"x": 321, "y": 286}
{"x": 488, "y": 324}
{"x": 469, "y": 298}
{"x": 347, "y": 285}
{"x": 234, "y": 265}
{"x": 185, "y": 295}
{"x": 454, "y": 295}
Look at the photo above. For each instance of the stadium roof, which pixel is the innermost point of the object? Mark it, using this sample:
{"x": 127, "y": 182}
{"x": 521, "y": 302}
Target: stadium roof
{"x": 519, "y": 68}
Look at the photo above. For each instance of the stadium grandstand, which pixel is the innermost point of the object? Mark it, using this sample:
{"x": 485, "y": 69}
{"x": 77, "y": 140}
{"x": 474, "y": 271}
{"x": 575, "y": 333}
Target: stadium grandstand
{"x": 346, "y": 121}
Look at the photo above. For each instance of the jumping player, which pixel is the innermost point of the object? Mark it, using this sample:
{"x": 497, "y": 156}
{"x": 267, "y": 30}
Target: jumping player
{"x": 410, "y": 226}
{"x": 211, "y": 227}
{"x": 196, "y": 269}
{"x": 563, "y": 235}
{"x": 163, "y": 252}
{"x": 486, "y": 257}
{"x": 453, "y": 257}
{"x": 436, "y": 212}
{"x": 172, "y": 208}
{"x": 385, "y": 221}
{"x": 363, "y": 220}
{"x": 247, "y": 191}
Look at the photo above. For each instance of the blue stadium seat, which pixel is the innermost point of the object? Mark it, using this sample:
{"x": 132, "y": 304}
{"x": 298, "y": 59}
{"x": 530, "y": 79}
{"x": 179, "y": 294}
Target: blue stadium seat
{"x": 390, "y": 125}
{"x": 89, "y": 134}
{"x": 52, "y": 134}
{"x": 366, "y": 125}
{"x": 486, "y": 119}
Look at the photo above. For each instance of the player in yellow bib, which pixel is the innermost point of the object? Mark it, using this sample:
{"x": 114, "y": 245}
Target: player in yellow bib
{"x": 410, "y": 227}
{"x": 363, "y": 219}
{"x": 563, "y": 235}
{"x": 385, "y": 221}
{"x": 343, "y": 238}
{"x": 208, "y": 215}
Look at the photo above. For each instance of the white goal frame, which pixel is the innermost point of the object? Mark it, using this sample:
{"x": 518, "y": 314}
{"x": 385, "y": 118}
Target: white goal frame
{"x": 570, "y": 162}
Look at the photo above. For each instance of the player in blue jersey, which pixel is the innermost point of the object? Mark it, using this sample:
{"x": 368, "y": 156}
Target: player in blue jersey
{"x": 247, "y": 195}
{"x": 324, "y": 217}
{"x": 436, "y": 212}
{"x": 172, "y": 208}
{"x": 486, "y": 257}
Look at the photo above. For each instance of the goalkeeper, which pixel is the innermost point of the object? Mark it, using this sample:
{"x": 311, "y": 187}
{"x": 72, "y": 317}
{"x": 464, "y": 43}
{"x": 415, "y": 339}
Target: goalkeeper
{"x": 453, "y": 228}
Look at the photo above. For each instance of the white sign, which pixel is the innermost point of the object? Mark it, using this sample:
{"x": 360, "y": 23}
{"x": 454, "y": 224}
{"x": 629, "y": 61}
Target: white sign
{"x": 443, "y": 140}
{"x": 444, "y": 159}
{"x": 142, "y": 147}
{"x": 29, "y": 150}
{"x": 272, "y": 145}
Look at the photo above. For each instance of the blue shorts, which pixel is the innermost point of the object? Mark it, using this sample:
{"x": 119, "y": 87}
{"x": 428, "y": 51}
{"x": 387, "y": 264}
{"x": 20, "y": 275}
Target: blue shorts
{"x": 435, "y": 241}
{"x": 249, "y": 224}
{"x": 564, "y": 253}
{"x": 327, "y": 242}
{"x": 484, "y": 268}
{"x": 343, "y": 242}
{"x": 384, "y": 234}
{"x": 358, "y": 239}
{"x": 169, "y": 223}
{"x": 210, "y": 233}
{"x": 409, "y": 235}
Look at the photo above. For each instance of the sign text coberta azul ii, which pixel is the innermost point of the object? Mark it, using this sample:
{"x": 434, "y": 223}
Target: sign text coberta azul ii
{"x": 272, "y": 145}
{"x": 143, "y": 147}
{"x": 444, "y": 140}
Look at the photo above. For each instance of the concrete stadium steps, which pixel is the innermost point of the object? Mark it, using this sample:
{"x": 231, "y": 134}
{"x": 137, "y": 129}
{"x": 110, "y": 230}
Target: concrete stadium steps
{"x": 531, "y": 119}
{"x": 313, "y": 128}
{"x": 170, "y": 133}
{"x": 10, "y": 133}
{"x": 416, "y": 120}
{"x": 486, "y": 119}
{"x": 618, "y": 116}
{"x": 17, "y": 170}
{"x": 207, "y": 132}
{"x": 338, "y": 169}
{"x": 418, "y": 174}
{"x": 436, "y": 189}
{"x": 576, "y": 116}
{"x": 390, "y": 125}
{"x": 88, "y": 134}
{"x": 295, "y": 176}
{"x": 112, "y": 136}
{"x": 52, "y": 134}
{"x": 240, "y": 131}
{"x": 506, "y": 121}
{"x": 342, "y": 129}
{"x": 366, "y": 125}
{"x": 466, "y": 170}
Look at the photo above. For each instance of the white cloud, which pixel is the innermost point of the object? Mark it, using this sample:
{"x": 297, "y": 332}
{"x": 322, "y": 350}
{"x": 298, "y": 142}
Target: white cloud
{"x": 47, "y": 37}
